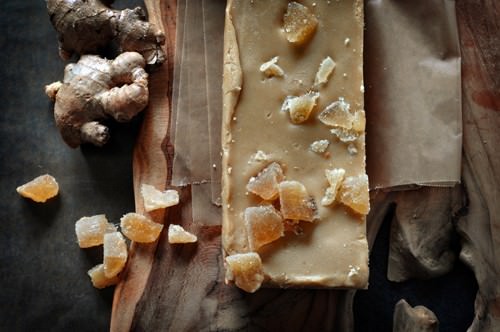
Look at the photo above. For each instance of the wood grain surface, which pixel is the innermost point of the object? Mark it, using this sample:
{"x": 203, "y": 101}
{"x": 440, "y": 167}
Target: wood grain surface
{"x": 181, "y": 288}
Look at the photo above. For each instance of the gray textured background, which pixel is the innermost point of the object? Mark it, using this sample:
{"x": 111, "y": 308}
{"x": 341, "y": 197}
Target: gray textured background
{"x": 44, "y": 285}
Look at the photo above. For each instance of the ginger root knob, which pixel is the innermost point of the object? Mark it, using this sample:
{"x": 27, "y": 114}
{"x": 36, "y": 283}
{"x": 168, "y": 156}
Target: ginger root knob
{"x": 95, "y": 88}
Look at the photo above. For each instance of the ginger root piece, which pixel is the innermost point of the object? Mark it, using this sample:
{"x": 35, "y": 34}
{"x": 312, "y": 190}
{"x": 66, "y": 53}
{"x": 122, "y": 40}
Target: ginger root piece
{"x": 87, "y": 26}
{"x": 40, "y": 189}
{"x": 95, "y": 88}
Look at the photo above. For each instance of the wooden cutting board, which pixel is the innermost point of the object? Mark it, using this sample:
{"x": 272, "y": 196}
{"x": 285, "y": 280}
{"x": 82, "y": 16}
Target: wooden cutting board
{"x": 180, "y": 288}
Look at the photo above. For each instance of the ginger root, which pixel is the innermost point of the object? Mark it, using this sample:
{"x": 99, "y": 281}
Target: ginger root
{"x": 95, "y": 88}
{"x": 87, "y": 26}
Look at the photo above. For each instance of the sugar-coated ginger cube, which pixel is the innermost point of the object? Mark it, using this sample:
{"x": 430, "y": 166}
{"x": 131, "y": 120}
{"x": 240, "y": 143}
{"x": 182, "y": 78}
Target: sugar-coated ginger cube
{"x": 271, "y": 68}
{"x": 140, "y": 228}
{"x": 295, "y": 202}
{"x": 264, "y": 225}
{"x": 319, "y": 146}
{"x": 335, "y": 177}
{"x": 265, "y": 184}
{"x": 40, "y": 189}
{"x": 299, "y": 23}
{"x": 99, "y": 280}
{"x": 359, "y": 121}
{"x": 177, "y": 234}
{"x": 354, "y": 193}
{"x": 337, "y": 114}
{"x": 300, "y": 107}
{"x": 325, "y": 69}
{"x": 115, "y": 254}
{"x": 245, "y": 270}
{"x": 156, "y": 199}
{"x": 90, "y": 230}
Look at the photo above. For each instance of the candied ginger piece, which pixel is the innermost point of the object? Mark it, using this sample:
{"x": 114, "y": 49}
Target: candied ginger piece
{"x": 337, "y": 114}
{"x": 40, "y": 189}
{"x": 296, "y": 204}
{"x": 265, "y": 184}
{"x": 155, "y": 199}
{"x": 264, "y": 225}
{"x": 335, "y": 177}
{"x": 177, "y": 234}
{"x": 320, "y": 146}
{"x": 300, "y": 107}
{"x": 90, "y": 230}
{"x": 299, "y": 24}
{"x": 326, "y": 68}
{"x": 271, "y": 68}
{"x": 246, "y": 271}
{"x": 99, "y": 280}
{"x": 115, "y": 254}
{"x": 354, "y": 193}
{"x": 359, "y": 121}
{"x": 140, "y": 228}
{"x": 345, "y": 135}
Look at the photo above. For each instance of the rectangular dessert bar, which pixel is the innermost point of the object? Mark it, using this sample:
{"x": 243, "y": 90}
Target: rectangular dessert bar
{"x": 294, "y": 186}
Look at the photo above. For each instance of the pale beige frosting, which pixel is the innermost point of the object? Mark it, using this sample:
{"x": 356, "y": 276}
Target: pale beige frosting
{"x": 333, "y": 250}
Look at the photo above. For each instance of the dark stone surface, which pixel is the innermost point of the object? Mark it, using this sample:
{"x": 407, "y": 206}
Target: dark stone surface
{"x": 44, "y": 285}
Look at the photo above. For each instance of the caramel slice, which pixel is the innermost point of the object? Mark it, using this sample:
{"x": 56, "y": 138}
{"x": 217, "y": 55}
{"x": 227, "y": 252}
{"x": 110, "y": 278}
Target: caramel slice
{"x": 284, "y": 131}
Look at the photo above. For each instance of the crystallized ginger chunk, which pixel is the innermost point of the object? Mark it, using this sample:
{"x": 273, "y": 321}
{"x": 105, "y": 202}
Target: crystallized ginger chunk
{"x": 354, "y": 193}
{"x": 99, "y": 280}
{"x": 177, "y": 234}
{"x": 319, "y": 146}
{"x": 295, "y": 202}
{"x": 265, "y": 184}
{"x": 359, "y": 121}
{"x": 271, "y": 68}
{"x": 90, "y": 230}
{"x": 337, "y": 114}
{"x": 325, "y": 69}
{"x": 299, "y": 24}
{"x": 40, "y": 189}
{"x": 335, "y": 177}
{"x": 155, "y": 199}
{"x": 246, "y": 271}
{"x": 345, "y": 135}
{"x": 139, "y": 228}
{"x": 300, "y": 107}
{"x": 264, "y": 225}
{"x": 115, "y": 254}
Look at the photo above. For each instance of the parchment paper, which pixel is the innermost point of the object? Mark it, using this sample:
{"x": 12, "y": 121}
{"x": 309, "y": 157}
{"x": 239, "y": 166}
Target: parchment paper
{"x": 413, "y": 95}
